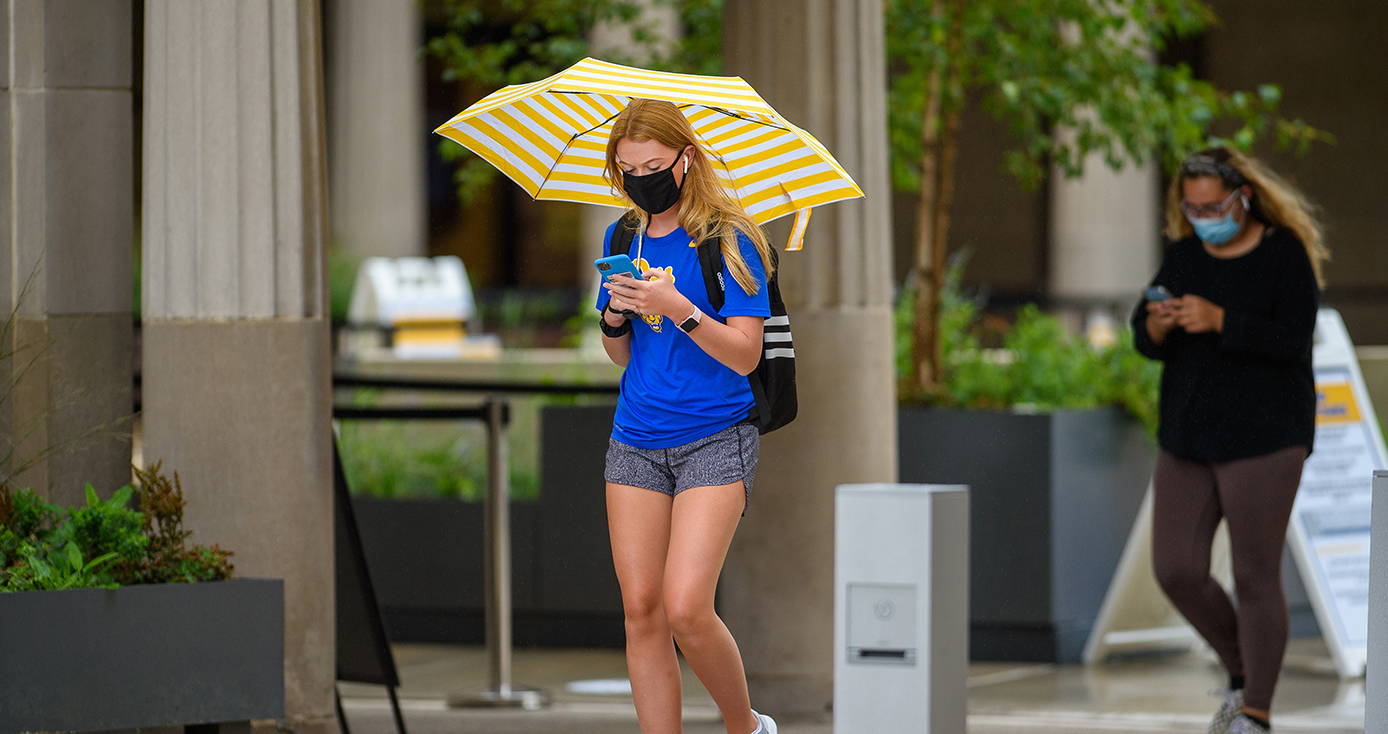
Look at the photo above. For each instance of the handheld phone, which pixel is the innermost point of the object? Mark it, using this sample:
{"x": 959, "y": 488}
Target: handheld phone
{"x": 1157, "y": 294}
{"x": 611, "y": 267}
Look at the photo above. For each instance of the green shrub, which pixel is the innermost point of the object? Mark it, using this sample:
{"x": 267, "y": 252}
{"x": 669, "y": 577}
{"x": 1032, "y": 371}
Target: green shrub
{"x": 105, "y": 543}
{"x": 1034, "y": 365}
{"x": 25, "y": 513}
{"x": 417, "y": 459}
{"x": 104, "y": 526}
{"x": 342, "y": 277}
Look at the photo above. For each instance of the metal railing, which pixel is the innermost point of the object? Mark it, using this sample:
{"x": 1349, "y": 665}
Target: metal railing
{"x": 496, "y": 532}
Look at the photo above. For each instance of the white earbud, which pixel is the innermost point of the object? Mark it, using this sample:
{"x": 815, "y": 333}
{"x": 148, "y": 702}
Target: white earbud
{"x": 686, "y": 164}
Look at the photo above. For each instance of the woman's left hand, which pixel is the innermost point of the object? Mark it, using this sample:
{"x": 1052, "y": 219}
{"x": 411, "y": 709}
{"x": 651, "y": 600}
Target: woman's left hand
{"x": 654, "y": 295}
{"x": 1197, "y": 315}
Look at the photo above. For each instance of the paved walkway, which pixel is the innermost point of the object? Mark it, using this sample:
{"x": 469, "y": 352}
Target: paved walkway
{"x": 1155, "y": 695}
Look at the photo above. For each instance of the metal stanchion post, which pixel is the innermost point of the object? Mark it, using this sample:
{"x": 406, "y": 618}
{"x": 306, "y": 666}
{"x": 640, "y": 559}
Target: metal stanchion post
{"x": 496, "y": 534}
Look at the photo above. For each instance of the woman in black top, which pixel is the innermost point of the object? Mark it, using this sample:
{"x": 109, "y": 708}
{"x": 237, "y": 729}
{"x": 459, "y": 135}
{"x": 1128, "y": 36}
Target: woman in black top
{"x": 1231, "y": 314}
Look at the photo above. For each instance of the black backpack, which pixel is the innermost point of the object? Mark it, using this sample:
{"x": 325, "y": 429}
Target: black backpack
{"x": 773, "y": 381}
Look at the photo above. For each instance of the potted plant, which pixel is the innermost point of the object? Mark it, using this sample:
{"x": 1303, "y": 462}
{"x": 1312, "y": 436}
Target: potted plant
{"x": 1053, "y": 436}
{"x": 112, "y": 620}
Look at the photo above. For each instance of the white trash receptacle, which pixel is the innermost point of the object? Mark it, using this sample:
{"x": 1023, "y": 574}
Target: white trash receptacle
{"x": 1376, "y": 671}
{"x": 901, "y": 608}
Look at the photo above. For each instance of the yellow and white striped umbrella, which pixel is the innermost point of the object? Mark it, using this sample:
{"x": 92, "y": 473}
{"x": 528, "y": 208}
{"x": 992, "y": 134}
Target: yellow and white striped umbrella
{"x": 550, "y": 137}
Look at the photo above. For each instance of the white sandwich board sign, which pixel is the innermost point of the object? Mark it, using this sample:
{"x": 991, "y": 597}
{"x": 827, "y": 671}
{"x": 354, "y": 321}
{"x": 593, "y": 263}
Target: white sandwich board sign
{"x": 1329, "y": 531}
{"x": 1328, "y": 534}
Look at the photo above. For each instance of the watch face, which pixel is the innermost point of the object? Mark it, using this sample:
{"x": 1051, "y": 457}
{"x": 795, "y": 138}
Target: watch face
{"x": 689, "y": 324}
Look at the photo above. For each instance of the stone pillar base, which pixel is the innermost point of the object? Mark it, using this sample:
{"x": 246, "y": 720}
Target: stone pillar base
{"x": 241, "y": 410}
{"x": 777, "y": 589}
{"x": 309, "y": 725}
{"x": 72, "y": 395}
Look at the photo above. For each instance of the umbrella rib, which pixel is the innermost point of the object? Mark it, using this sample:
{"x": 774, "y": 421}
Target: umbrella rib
{"x": 686, "y": 105}
{"x": 736, "y": 116}
{"x": 569, "y": 144}
{"x": 580, "y": 134}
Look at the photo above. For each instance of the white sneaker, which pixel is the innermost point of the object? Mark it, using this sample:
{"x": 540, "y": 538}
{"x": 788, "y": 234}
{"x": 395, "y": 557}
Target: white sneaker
{"x": 1229, "y": 709}
{"x": 767, "y": 725}
{"x": 1244, "y": 725}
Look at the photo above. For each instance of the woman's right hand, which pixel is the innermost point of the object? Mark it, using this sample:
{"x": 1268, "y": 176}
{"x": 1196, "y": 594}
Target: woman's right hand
{"x": 1161, "y": 319}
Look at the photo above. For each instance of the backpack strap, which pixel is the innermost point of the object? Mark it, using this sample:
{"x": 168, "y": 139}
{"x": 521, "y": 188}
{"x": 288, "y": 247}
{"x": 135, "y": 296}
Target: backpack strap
{"x": 623, "y": 235}
{"x": 711, "y": 262}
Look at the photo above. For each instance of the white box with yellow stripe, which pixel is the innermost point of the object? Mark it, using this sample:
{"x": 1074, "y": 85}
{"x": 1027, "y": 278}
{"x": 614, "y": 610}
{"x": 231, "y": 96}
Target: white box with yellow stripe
{"x": 422, "y": 304}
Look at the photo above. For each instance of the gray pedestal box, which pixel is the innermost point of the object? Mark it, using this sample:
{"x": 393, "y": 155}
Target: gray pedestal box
{"x": 901, "y": 608}
{"x": 1376, "y": 671}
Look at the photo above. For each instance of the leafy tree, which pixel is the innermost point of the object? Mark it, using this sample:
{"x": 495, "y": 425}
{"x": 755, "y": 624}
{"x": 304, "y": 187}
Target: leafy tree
{"x": 1069, "y": 78}
{"x": 488, "y": 44}
{"x": 1033, "y": 362}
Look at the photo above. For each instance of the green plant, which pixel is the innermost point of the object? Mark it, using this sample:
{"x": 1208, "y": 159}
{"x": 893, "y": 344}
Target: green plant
{"x": 25, "y": 513}
{"x": 404, "y": 459}
{"x": 61, "y": 567}
{"x": 104, "y": 543}
{"x": 104, "y": 527}
{"x": 1033, "y": 365}
{"x": 342, "y": 275}
{"x": 36, "y": 555}
{"x": 1069, "y": 78}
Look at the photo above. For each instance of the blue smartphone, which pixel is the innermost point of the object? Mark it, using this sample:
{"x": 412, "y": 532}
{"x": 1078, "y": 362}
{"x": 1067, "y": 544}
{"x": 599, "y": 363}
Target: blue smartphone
{"x": 611, "y": 267}
{"x": 1157, "y": 294}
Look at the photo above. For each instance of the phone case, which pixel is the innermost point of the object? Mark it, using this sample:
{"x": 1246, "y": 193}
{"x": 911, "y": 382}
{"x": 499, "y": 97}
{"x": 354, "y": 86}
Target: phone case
{"x": 610, "y": 267}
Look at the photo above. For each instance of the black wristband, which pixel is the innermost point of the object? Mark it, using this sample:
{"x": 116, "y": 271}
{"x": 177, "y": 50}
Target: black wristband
{"x": 613, "y": 331}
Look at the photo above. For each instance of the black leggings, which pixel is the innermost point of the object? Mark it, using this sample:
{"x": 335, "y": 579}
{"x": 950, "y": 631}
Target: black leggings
{"x": 1256, "y": 496}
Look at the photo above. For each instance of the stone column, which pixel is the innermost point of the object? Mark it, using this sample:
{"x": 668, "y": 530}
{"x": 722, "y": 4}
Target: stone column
{"x": 821, "y": 64}
{"x": 66, "y": 228}
{"x": 1105, "y": 230}
{"x": 615, "y": 42}
{"x": 376, "y": 126}
{"x": 237, "y": 395}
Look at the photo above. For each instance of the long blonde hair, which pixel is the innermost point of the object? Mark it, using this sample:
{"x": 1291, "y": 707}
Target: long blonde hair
{"x": 1275, "y": 200}
{"x": 705, "y": 208}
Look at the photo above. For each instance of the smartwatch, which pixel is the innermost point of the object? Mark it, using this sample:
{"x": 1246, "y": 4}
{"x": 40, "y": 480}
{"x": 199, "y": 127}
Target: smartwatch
{"x": 694, "y": 320}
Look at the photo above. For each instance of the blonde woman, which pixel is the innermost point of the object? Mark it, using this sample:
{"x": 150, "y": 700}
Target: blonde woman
{"x": 683, "y": 450}
{"x": 1231, "y": 314}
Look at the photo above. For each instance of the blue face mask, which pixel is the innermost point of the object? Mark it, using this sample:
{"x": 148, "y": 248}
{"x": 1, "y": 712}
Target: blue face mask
{"x": 1216, "y": 230}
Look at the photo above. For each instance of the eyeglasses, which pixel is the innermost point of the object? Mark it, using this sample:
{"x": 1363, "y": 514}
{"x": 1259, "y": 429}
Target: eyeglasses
{"x": 1207, "y": 211}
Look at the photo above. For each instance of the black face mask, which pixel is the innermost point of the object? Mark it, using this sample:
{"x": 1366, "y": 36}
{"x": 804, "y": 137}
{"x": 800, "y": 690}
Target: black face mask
{"x": 656, "y": 192}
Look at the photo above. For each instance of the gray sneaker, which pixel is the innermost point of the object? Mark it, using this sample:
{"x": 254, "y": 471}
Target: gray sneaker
{"x": 1230, "y": 706}
{"x": 766, "y": 725}
{"x": 1244, "y": 725}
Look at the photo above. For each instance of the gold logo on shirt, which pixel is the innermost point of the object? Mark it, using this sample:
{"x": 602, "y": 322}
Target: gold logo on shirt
{"x": 654, "y": 320}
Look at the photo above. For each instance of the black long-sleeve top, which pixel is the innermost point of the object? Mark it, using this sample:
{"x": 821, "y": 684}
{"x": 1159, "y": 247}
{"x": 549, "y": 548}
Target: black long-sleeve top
{"x": 1249, "y": 390}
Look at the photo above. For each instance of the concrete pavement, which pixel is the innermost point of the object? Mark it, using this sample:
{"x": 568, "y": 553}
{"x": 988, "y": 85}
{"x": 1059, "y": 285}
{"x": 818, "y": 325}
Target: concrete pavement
{"x": 1148, "y": 695}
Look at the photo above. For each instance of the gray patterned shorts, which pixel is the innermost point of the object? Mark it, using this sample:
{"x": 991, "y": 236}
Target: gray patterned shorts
{"x": 725, "y": 457}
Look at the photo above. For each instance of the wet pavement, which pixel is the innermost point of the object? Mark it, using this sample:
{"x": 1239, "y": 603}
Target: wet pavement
{"x": 1167, "y": 694}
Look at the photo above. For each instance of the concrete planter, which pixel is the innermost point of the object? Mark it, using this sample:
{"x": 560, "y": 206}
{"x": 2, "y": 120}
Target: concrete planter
{"x": 1053, "y": 498}
{"x": 142, "y": 656}
{"x": 425, "y": 555}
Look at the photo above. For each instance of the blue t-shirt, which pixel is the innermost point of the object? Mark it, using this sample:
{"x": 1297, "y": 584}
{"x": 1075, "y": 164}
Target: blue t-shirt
{"x": 673, "y": 392}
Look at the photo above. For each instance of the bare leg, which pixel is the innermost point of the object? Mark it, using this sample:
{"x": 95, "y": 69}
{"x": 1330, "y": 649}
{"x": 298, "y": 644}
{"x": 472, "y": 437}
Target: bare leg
{"x": 639, "y": 523}
{"x": 701, "y": 530}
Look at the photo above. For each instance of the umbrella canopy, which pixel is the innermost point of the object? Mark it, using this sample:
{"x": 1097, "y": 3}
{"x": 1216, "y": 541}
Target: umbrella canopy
{"x": 550, "y": 137}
